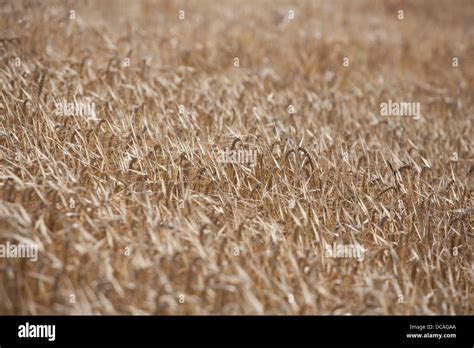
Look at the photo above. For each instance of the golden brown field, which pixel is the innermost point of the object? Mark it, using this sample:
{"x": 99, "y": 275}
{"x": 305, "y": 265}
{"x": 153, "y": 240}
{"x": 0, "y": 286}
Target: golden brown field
{"x": 132, "y": 210}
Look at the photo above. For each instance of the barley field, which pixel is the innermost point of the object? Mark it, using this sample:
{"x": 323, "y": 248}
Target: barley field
{"x": 231, "y": 157}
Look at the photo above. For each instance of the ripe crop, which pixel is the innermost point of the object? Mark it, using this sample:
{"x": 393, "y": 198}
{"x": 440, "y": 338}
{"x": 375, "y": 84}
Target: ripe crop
{"x": 112, "y": 116}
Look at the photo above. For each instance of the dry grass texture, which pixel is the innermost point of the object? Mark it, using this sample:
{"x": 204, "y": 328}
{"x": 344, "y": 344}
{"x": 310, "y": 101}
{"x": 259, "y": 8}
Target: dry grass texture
{"x": 144, "y": 176}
